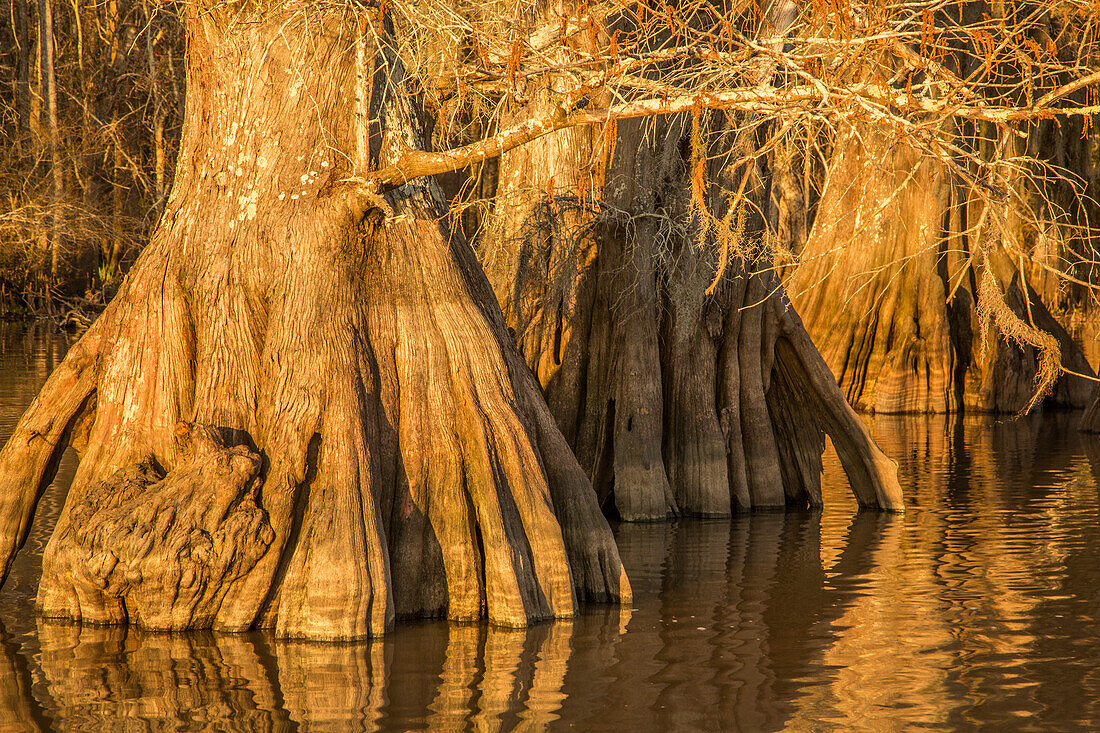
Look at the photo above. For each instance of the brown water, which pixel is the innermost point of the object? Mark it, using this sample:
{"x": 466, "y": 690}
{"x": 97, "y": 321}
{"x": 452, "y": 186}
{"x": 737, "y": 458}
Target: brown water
{"x": 978, "y": 608}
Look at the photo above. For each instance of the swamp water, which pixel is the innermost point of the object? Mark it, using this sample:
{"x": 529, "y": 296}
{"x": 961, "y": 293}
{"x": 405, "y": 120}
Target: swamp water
{"x": 976, "y": 609}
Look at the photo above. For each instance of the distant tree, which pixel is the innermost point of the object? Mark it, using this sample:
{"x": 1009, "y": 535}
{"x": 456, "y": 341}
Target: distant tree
{"x": 91, "y": 101}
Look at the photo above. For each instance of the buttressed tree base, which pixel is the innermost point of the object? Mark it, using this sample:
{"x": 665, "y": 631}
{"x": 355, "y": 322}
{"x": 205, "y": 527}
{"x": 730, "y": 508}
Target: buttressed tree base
{"x": 669, "y": 354}
{"x": 303, "y": 410}
{"x": 683, "y": 391}
{"x": 898, "y": 318}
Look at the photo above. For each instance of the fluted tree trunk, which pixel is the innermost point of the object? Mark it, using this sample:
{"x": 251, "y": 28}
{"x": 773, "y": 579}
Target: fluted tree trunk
{"x": 668, "y": 352}
{"x": 48, "y": 59}
{"x": 303, "y": 411}
{"x": 889, "y": 285}
{"x": 682, "y": 392}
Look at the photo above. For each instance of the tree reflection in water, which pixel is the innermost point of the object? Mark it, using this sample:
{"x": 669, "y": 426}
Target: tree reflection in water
{"x": 104, "y": 678}
{"x": 742, "y": 615}
{"x": 715, "y": 599}
{"x": 977, "y": 616}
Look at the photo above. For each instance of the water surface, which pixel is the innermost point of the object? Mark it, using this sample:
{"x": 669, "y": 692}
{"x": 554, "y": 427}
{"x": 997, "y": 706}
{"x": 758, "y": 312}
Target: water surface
{"x": 976, "y": 609}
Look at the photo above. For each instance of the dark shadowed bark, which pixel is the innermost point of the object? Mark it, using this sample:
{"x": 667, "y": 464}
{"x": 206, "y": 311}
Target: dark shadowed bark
{"x": 303, "y": 410}
{"x": 681, "y": 392}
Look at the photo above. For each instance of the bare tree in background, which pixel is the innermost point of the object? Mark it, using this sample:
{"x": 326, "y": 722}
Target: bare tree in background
{"x": 90, "y": 108}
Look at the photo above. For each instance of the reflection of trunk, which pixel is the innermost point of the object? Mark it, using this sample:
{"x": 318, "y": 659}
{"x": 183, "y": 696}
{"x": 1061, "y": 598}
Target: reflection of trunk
{"x": 887, "y": 287}
{"x": 332, "y": 686}
{"x": 18, "y": 708}
{"x": 726, "y": 629}
{"x": 375, "y": 444}
{"x": 676, "y": 400}
{"x": 105, "y": 678}
{"x": 446, "y": 677}
{"x": 988, "y": 501}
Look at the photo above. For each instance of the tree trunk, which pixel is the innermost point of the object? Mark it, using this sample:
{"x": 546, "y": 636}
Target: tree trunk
{"x": 888, "y": 285}
{"x": 24, "y": 59}
{"x": 57, "y": 173}
{"x": 34, "y": 78}
{"x": 117, "y": 249}
{"x": 159, "y": 113}
{"x": 1071, "y": 243}
{"x": 678, "y": 398}
{"x": 303, "y": 411}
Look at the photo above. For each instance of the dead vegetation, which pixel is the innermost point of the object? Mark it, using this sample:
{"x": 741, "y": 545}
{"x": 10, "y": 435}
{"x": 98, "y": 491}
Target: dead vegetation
{"x": 91, "y": 100}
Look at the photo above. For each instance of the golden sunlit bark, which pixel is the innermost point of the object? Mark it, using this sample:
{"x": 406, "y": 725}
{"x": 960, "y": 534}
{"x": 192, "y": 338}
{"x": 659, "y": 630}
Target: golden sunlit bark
{"x": 298, "y": 414}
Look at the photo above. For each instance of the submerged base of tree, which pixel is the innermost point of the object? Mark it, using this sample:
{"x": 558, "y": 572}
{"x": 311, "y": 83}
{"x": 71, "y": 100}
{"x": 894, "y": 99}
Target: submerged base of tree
{"x": 301, "y": 413}
{"x": 681, "y": 394}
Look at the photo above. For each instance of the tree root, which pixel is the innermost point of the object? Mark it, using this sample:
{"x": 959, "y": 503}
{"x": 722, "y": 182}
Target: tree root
{"x": 159, "y": 549}
{"x": 29, "y": 460}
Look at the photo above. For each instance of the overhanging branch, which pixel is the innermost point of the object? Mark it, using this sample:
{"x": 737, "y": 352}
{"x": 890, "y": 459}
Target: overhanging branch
{"x": 858, "y": 100}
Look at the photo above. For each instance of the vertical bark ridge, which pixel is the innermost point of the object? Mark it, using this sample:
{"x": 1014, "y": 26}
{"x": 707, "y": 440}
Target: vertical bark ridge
{"x": 472, "y": 396}
{"x": 338, "y": 582}
{"x": 694, "y": 446}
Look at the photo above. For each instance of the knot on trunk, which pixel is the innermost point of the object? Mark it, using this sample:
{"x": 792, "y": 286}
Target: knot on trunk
{"x": 163, "y": 548}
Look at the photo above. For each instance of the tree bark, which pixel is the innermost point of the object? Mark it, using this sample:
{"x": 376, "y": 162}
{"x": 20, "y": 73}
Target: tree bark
{"x": 315, "y": 404}
{"x": 57, "y": 173}
{"x": 681, "y": 393}
{"x": 24, "y": 60}
{"x": 888, "y": 285}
